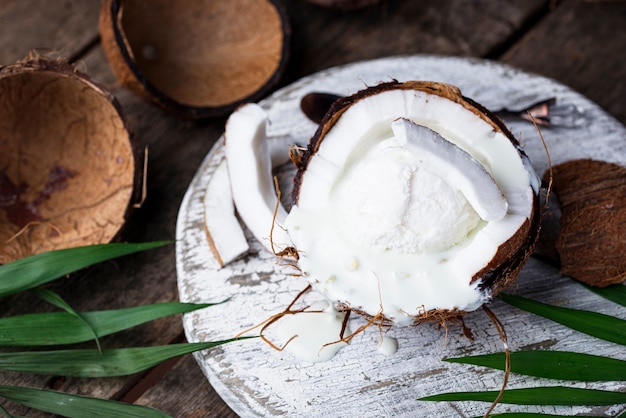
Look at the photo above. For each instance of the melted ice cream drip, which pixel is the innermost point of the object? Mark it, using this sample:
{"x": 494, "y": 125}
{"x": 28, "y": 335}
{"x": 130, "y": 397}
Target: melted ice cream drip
{"x": 314, "y": 334}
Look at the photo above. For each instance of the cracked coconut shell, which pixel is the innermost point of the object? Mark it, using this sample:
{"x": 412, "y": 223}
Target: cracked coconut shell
{"x": 373, "y": 195}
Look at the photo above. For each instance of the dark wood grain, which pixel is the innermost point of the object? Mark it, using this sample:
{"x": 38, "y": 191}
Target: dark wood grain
{"x": 58, "y": 28}
{"x": 195, "y": 396}
{"x": 582, "y": 44}
{"x": 324, "y": 38}
{"x": 578, "y": 43}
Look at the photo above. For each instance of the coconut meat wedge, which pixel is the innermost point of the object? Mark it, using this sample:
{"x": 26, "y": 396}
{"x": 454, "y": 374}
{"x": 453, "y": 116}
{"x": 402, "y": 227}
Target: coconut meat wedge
{"x": 250, "y": 158}
{"x": 412, "y": 202}
{"x": 224, "y": 234}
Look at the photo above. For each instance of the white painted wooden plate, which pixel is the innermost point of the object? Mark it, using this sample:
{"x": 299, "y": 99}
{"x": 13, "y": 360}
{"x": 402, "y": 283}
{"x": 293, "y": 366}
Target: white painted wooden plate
{"x": 256, "y": 380}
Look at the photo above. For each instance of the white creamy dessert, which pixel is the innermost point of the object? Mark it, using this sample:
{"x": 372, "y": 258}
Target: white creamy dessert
{"x": 410, "y": 203}
{"x": 313, "y": 335}
{"x": 407, "y": 198}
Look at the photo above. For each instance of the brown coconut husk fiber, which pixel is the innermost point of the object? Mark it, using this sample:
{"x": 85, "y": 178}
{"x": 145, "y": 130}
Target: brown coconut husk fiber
{"x": 592, "y": 240}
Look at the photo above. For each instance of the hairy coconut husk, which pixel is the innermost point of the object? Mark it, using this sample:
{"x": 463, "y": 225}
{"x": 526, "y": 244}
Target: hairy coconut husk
{"x": 67, "y": 166}
{"x": 591, "y": 244}
{"x": 196, "y": 59}
{"x": 511, "y": 256}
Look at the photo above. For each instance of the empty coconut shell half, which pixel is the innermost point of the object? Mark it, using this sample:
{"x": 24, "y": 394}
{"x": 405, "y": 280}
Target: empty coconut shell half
{"x": 197, "y": 59}
{"x": 67, "y": 167}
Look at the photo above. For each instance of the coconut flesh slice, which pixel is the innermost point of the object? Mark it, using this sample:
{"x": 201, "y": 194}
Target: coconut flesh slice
{"x": 250, "y": 158}
{"x": 459, "y": 168}
{"x": 412, "y": 200}
{"x": 225, "y": 236}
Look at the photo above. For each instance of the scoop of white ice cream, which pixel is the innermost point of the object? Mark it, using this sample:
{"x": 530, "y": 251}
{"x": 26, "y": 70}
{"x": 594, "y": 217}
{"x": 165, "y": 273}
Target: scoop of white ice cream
{"x": 391, "y": 201}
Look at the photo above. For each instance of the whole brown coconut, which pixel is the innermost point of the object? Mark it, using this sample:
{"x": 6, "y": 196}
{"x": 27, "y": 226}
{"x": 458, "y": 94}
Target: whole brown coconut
{"x": 590, "y": 243}
{"x": 67, "y": 167}
{"x": 197, "y": 59}
{"x": 412, "y": 203}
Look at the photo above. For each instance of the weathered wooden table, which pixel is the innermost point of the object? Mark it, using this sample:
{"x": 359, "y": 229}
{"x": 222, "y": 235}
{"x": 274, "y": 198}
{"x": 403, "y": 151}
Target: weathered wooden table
{"x": 581, "y": 44}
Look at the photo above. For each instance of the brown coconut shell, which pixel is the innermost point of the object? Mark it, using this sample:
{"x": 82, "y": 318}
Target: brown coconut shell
{"x": 591, "y": 242}
{"x": 67, "y": 166}
{"x": 511, "y": 256}
{"x": 197, "y": 59}
{"x": 345, "y": 4}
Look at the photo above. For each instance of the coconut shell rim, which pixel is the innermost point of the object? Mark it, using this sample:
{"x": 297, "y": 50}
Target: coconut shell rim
{"x": 139, "y": 83}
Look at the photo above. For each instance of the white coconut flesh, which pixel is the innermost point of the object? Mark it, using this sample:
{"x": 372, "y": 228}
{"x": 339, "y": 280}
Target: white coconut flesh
{"x": 250, "y": 158}
{"x": 226, "y": 238}
{"x": 407, "y": 197}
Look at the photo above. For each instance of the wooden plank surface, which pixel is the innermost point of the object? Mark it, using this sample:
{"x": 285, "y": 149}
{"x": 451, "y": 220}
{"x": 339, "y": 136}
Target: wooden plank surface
{"x": 582, "y": 44}
{"x": 325, "y": 38}
{"x": 195, "y": 396}
{"x": 576, "y": 42}
{"x": 61, "y": 28}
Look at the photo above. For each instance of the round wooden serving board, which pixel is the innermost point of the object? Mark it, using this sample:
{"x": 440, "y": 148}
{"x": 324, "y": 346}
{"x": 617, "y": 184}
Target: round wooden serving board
{"x": 255, "y": 380}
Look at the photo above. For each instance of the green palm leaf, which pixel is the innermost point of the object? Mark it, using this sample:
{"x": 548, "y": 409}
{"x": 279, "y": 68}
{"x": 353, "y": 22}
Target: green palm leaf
{"x": 70, "y": 327}
{"x": 548, "y": 395}
{"x": 557, "y": 364}
{"x": 598, "y": 325}
{"x": 56, "y": 300}
{"x": 615, "y": 293}
{"x": 75, "y": 406}
{"x": 58, "y": 328}
{"x": 553, "y": 365}
{"x": 92, "y": 363}
{"x": 29, "y": 272}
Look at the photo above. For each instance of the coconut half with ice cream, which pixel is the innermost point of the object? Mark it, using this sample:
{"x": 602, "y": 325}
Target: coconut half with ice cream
{"x": 411, "y": 202}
